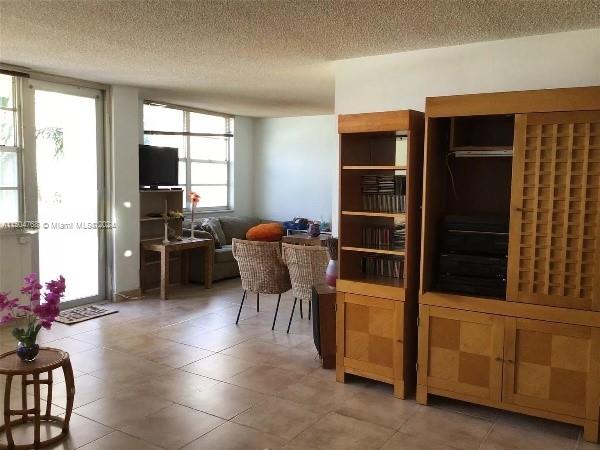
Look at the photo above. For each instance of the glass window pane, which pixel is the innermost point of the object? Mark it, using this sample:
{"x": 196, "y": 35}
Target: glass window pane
{"x": 206, "y": 123}
{"x": 159, "y": 118}
{"x": 401, "y": 151}
{"x": 209, "y": 173}
{"x": 182, "y": 172}
{"x": 9, "y": 169}
{"x": 208, "y": 148}
{"x": 166, "y": 141}
{"x": 186, "y": 200}
{"x": 6, "y": 91}
{"x": 7, "y": 128}
{"x": 9, "y": 205}
{"x": 211, "y": 196}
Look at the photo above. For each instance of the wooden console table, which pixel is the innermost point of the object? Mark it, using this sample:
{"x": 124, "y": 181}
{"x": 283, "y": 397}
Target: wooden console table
{"x": 47, "y": 360}
{"x": 183, "y": 246}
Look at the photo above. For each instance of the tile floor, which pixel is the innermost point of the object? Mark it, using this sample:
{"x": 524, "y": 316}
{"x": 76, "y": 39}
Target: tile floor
{"x": 180, "y": 374}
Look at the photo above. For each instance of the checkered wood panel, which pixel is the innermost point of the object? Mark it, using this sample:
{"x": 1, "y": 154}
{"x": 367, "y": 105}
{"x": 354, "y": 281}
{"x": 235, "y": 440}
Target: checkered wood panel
{"x": 560, "y": 222}
{"x": 460, "y": 351}
{"x": 552, "y": 367}
{"x": 369, "y": 334}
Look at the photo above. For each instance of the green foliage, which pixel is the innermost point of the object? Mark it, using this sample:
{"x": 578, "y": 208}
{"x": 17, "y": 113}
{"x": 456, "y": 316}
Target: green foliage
{"x": 27, "y": 336}
{"x": 56, "y": 135}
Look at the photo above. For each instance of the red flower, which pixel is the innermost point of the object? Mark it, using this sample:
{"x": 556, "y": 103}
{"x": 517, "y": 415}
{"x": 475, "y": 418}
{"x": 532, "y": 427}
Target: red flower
{"x": 194, "y": 197}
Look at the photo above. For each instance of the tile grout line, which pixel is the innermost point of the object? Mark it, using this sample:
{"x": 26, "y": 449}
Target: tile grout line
{"x": 487, "y": 435}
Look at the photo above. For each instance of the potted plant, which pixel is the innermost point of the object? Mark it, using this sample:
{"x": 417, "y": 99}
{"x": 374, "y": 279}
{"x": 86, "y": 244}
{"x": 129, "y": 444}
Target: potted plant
{"x": 37, "y": 314}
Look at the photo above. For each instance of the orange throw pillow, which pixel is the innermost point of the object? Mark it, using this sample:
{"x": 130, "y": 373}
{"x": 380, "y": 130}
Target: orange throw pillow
{"x": 267, "y": 232}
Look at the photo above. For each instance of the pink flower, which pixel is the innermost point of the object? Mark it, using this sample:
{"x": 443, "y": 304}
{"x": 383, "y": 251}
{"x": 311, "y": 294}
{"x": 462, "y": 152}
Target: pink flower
{"x": 52, "y": 298}
{"x": 6, "y": 318}
{"x": 38, "y": 314}
{"x": 57, "y": 286}
{"x": 5, "y": 303}
{"x": 32, "y": 287}
{"x": 47, "y": 313}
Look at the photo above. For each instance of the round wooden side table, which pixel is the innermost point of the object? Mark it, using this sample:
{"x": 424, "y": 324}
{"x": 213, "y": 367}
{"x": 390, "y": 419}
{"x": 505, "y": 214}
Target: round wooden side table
{"x": 47, "y": 360}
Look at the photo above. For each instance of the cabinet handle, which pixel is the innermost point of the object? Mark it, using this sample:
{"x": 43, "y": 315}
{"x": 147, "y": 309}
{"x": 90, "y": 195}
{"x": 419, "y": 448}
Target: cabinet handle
{"x": 510, "y": 361}
{"x": 400, "y": 341}
{"x": 499, "y": 359}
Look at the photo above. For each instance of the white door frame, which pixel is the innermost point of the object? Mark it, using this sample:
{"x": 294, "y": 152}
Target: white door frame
{"x": 30, "y": 172}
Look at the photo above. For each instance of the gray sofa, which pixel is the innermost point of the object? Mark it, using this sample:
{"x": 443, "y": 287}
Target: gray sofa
{"x": 224, "y": 264}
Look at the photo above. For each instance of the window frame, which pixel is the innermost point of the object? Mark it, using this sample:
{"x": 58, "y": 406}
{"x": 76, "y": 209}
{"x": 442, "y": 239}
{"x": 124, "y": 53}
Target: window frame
{"x": 186, "y": 136}
{"x": 18, "y": 144}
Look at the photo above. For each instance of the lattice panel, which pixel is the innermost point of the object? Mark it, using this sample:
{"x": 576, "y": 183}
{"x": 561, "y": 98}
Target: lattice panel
{"x": 560, "y": 223}
{"x": 369, "y": 334}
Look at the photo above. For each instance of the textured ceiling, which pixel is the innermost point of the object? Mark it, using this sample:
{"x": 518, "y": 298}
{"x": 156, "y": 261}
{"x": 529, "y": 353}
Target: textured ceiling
{"x": 259, "y": 58}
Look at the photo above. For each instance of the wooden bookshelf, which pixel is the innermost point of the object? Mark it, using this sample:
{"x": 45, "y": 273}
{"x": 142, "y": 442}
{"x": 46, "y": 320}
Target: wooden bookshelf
{"x": 381, "y": 251}
{"x": 472, "y": 148}
{"x": 153, "y": 219}
{"x": 374, "y": 214}
{"x": 373, "y": 167}
{"x": 377, "y": 312}
{"x": 152, "y": 202}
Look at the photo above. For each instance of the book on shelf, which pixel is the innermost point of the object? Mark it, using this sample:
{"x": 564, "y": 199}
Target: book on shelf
{"x": 393, "y": 238}
{"x": 384, "y": 193}
{"x": 385, "y": 266}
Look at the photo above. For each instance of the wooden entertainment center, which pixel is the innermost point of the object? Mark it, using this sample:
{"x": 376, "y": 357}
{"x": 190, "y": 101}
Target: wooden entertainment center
{"x": 381, "y": 158}
{"x": 530, "y": 159}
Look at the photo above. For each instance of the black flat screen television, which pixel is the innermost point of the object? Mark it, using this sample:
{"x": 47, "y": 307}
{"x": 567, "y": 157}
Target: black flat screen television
{"x": 158, "y": 166}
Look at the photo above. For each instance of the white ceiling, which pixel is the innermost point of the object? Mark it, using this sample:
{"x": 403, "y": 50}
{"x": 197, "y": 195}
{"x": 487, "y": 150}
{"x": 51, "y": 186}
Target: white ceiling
{"x": 257, "y": 58}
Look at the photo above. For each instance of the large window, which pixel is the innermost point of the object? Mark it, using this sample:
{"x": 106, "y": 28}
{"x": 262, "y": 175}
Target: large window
{"x": 10, "y": 157}
{"x": 205, "y": 143}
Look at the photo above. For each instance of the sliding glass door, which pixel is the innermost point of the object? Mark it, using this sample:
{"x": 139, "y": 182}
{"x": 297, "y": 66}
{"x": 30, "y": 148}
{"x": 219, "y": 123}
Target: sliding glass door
{"x": 65, "y": 161}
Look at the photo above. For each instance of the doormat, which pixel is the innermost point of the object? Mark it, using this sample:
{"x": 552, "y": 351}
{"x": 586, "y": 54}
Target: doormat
{"x": 83, "y": 313}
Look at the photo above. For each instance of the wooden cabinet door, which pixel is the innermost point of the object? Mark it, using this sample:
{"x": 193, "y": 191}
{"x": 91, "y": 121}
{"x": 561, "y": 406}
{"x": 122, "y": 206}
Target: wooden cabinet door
{"x": 461, "y": 352}
{"x": 554, "y": 245}
{"x": 552, "y": 366}
{"x": 370, "y": 342}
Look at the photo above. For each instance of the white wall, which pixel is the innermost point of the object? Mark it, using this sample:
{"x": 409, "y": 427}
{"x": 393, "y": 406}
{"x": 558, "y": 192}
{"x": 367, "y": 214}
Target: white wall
{"x": 15, "y": 260}
{"x": 125, "y": 139}
{"x": 294, "y": 167}
{"x": 403, "y": 80}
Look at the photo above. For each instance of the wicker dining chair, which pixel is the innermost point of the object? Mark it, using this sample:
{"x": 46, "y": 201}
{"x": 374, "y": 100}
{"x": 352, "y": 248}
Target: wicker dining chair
{"x": 307, "y": 265}
{"x": 262, "y": 270}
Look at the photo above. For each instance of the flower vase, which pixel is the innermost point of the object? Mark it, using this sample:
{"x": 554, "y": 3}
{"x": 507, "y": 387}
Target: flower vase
{"x": 27, "y": 351}
{"x": 314, "y": 229}
{"x": 331, "y": 273}
{"x": 192, "y": 230}
{"x": 166, "y": 238}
